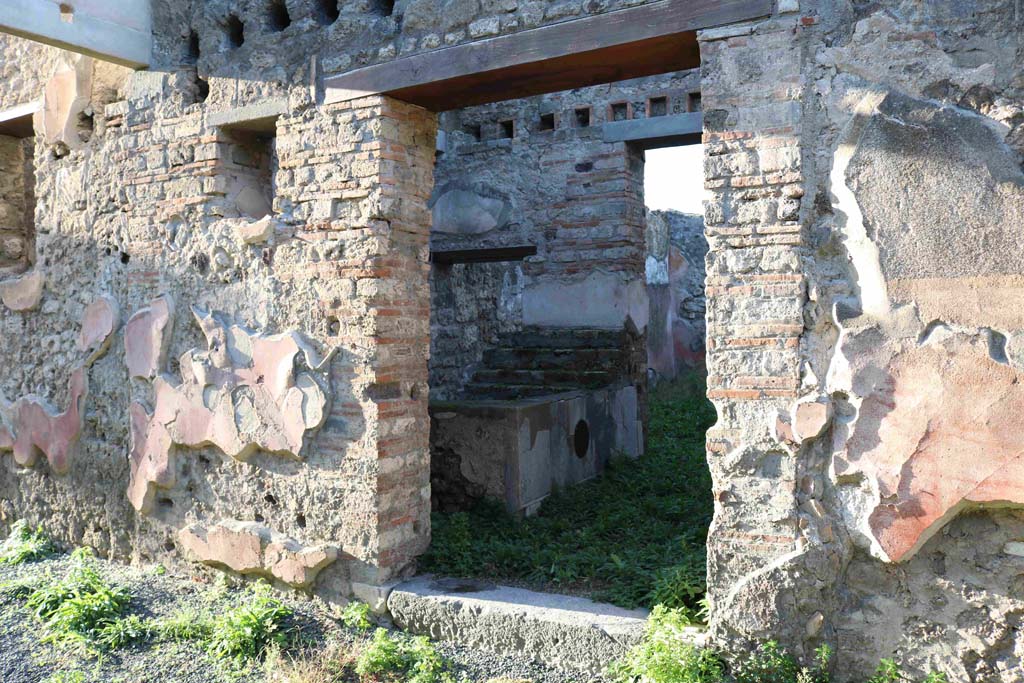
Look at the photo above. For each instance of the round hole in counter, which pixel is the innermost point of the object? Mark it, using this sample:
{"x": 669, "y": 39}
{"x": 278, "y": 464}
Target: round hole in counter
{"x": 581, "y": 439}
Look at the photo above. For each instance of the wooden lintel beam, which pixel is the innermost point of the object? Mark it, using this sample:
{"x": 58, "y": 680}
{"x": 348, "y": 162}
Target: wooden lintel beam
{"x": 17, "y": 122}
{"x": 119, "y": 32}
{"x": 483, "y": 255}
{"x": 658, "y": 37}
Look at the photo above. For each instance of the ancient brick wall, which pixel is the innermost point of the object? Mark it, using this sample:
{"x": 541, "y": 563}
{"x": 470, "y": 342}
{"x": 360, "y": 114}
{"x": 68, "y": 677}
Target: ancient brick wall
{"x": 864, "y": 297}
{"x": 272, "y": 286}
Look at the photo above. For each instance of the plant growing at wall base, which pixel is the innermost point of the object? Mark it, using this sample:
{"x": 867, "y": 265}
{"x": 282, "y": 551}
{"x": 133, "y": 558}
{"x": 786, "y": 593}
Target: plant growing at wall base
{"x": 78, "y": 606}
{"x": 396, "y": 659}
{"x": 246, "y": 631}
{"x": 25, "y": 545}
{"x": 666, "y": 654}
{"x": 356, "y": 615}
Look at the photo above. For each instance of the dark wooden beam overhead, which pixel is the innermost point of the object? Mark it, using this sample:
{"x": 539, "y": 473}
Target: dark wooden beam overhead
{"x": 485, "y": 255}
{"x": 658, "y": 37}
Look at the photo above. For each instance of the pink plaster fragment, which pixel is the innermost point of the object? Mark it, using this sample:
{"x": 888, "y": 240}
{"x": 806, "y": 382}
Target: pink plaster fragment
{"x": 945, "y": 431}
{"x": 38, "y": 428}
{"x": 98, "y": 324}
{"x": 251, "y": 548}
{"x": 146, "y": 337}
{"x": 24, "y": 292}
{"x": 241, "y": 395}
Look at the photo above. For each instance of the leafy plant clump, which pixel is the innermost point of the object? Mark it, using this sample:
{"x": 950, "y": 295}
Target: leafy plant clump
{"x": 634, "y": 537}
{"x": 356, "y": 615}
{"x": 25, "y": 545}
{"x": 246, "y": 631}
{"x": 412, "y": 660}
{"x": 667, "y": 655}
{"x": 80, "y": 605}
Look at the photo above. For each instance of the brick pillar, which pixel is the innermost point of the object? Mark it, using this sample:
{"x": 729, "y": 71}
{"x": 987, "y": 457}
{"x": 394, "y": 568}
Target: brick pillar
{"x": 359, "y": 174}
{"x": 769, "y": 572}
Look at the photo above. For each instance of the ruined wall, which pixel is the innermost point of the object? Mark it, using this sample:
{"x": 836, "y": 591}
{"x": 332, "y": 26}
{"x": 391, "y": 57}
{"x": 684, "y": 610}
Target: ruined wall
{"x": 676, "y": 251}
{"x": 536, "y": 172}
{"x": 225, "y": 345}
{"x": 264, "y": 43}
{"x": 863, "y": 282}
{"x": 25, "y": 69}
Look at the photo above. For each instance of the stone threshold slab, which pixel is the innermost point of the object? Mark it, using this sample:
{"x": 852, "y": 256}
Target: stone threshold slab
{"x": 558, "y": 630}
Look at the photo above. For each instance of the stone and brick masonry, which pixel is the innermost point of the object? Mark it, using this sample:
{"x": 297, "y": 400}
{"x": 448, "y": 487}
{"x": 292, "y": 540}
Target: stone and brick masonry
{"x": 864, "y": 297}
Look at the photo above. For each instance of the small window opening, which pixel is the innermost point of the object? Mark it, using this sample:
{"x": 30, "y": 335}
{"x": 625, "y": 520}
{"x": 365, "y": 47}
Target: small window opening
{"x": 657, "y": 106}
{"x": 384, "y": 8}
{"x": 192, "y": 55}
{"x": 202, "y": 89}
{"x": 546, "y": 123}
{"x": 693, "y": 102}
{"x": 508, "y": 129}
{"x": 619, "y": 111}
{"x": 250, "y": 165}
{"x": 235, "y": 31}
{"x": 581, "y": 439}
{"x": 328, "y": 11}
{"x": 474, "y": 130}
{"x": 279, "y": 17}
{"x": 583, "y": 117}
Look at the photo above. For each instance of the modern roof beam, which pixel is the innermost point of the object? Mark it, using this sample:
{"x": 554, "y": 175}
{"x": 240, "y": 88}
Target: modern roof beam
{"x": 119, "y": 32}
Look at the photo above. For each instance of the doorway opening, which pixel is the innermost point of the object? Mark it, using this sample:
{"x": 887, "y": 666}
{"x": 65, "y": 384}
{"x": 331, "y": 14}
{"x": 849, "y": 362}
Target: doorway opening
{"x": 553, "y": 312}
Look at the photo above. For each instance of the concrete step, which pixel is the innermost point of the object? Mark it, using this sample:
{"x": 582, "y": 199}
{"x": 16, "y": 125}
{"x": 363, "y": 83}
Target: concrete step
{"x": 557, "y": 380}
{"x": 557, "y": 630}
{"x": 510, "y": 358}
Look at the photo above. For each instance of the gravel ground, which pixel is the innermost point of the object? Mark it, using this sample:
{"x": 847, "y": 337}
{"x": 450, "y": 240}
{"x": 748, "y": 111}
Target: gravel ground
{"x": 24, "y": 658}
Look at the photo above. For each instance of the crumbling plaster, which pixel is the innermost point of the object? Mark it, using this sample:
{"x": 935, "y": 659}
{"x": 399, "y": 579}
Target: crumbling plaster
{"x": 855, "y": 465}
{"x": 808, "y": 220}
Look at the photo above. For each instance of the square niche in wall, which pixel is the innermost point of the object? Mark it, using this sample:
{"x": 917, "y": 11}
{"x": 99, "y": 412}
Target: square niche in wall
{"x": 17, "y": 192}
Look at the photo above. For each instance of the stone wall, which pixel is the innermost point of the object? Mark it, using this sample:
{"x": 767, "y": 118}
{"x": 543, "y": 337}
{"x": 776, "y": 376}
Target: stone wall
{"x": 231, "y": 338}
{"x": 536, "y": 172}
{"x": 264, "y": 406}
{"x": 266, "y": 49}
{"x": 861, "y": 290}
{"x": 676, "y": 250}
{"x": 17, "y": 204}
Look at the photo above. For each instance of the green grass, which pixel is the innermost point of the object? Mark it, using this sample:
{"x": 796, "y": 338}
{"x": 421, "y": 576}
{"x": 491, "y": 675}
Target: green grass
{"x": 25, "y": 545}
{"x": 634, "y": 537}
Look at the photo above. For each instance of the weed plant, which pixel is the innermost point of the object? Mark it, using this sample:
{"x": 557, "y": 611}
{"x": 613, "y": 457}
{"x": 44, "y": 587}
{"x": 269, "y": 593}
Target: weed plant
{"x": 80, "y": 605}
{"x": 246, "y": 631}
{"x": 356, "y": 615}
{"x": 666, "y": 655}
{"x": 634, "y": 537}
{"x": 405, "y": 660}
{"x": 25, "y": 545}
